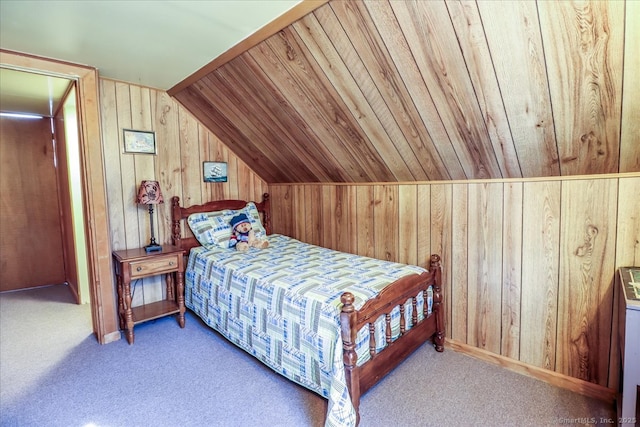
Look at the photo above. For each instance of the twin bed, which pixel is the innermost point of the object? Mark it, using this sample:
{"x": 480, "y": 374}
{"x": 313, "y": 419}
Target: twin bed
{"x": 333, "y": 322}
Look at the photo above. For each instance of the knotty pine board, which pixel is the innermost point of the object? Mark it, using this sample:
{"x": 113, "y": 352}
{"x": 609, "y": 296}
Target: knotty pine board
{"x": 346, "y": 223}
{"x": 540, "y": 263}
{"x": 220, "y": 153}
{"x": 628, "y": 242}
{"x": 408, "y": 225}
{"x": 190, "y": 153}
{"x": 334, "y": 52}
{"x": 282, "y": 210}
{"x": 584, "y": 53}
{"x": 515, "y": 43}
{"x": 329, "y": 231}
{"x": 458, "y": 293}
{"x": 385, "y": 217}
{"x": 383, "y": 90}
{"x": 190, "y": 179}
{"x": 585, "y": 296}
{"x": 466, "y": 20}
{"x": 511, "y": 269}
{"x": 384, "y": 18}
{"x": 365, "y": 220}
{"x": 444, "y": 72}
{"x": 129, "y": 183}
{"x": 112, "y": 149}
{"x": 485, "y": 266}
{"x": 423, "y": 233}
{"x": 166, "y": 165}
{"x": 630, "y": 132}
{"x": 313, "y": 201}
{"x": 299, "y": 210}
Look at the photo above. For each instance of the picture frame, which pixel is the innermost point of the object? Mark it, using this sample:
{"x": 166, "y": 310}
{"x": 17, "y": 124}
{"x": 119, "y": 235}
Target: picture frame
{"x": 214, "y": 171}
{"x": 139, "y": 141}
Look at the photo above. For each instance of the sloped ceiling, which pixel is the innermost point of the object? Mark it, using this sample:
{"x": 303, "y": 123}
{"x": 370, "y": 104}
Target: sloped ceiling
{"x": 393, "y": 91}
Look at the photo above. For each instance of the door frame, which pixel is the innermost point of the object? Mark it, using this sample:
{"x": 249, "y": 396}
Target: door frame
{"x": 96, "y": 226}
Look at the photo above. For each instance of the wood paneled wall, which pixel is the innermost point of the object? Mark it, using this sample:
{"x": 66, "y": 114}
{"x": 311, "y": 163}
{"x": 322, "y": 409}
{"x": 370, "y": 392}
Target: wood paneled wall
{"x": 393, "y": 91}
{"x": 182, "y": 145}
{"x": 528, "y": 264}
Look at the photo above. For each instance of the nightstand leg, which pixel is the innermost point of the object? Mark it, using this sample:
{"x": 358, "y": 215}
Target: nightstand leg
{"x": 128, "y": 314}
{"x": 170, "y": 287}
{"x": 120, "y": 303}
{"x": 180, "y": 291}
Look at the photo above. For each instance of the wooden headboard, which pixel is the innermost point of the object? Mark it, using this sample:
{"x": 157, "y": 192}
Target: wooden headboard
{"x": 179, "y": 214}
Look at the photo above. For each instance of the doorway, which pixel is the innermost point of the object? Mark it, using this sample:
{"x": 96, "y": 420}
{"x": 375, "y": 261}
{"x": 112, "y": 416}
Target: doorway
{"x": 101, "y": 284}
{"x": 41, "y": 234}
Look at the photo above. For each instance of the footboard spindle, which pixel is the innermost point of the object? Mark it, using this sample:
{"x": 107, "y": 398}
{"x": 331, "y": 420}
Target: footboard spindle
{"x": 347, "y": 318}
{"x": 372, "y": 340}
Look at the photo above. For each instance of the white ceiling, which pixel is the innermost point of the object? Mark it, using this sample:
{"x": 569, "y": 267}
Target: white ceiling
{"x": 150, "y": 43}
{"x": 22, "y": 92}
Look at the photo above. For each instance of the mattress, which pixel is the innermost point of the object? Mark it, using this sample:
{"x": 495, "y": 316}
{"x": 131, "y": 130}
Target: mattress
{"x": 282, "y": 305}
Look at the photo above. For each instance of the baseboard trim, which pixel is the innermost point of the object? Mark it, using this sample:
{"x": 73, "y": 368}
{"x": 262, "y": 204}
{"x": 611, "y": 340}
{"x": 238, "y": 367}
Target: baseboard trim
{"x": 110, "y": 337}
{"x": 559, "y": 380}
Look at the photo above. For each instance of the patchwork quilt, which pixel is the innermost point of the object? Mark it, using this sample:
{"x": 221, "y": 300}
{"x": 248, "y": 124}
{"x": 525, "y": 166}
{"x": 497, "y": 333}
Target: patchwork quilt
{"x": 282, "y": 305}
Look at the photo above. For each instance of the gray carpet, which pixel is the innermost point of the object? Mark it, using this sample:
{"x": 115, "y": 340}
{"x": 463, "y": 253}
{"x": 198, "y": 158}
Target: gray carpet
{"x": 54, "y": 373}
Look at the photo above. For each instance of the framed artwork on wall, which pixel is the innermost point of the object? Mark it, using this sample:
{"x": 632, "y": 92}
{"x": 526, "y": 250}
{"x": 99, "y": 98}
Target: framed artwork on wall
{"x": 139, "y": 141}
{"x": 214, "y": 171}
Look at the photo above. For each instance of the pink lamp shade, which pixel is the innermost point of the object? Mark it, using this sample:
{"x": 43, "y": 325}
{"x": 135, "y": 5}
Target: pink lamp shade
{"x": 149, "y": 193}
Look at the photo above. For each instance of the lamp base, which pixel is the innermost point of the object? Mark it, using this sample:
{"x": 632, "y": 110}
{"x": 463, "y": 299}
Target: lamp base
{"x": 153, "y": 248}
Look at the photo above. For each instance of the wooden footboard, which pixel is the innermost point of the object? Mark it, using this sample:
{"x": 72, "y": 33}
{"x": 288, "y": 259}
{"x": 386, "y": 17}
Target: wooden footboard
{"x": 362, "y": 378}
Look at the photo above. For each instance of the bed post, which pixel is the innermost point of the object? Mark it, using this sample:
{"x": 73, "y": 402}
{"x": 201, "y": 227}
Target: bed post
{"x": 266, "y": 206}
{"x": 175, "y": 221}
{"x": 348, "y": 328}
{"x": 438, "y": 308}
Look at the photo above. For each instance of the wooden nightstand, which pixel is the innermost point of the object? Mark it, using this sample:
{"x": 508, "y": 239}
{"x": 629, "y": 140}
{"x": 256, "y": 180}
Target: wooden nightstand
{"x": 132, "y": 264}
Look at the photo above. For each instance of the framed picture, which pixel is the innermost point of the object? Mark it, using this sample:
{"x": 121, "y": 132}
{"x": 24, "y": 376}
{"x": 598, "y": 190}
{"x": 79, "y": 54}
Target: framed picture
{"x": 214, "y": 171}
{"x": 139, "y": 142}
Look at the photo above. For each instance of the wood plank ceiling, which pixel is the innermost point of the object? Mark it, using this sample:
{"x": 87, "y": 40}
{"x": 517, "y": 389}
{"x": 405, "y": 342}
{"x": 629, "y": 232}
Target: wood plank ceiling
{"x": 395, "y": 91}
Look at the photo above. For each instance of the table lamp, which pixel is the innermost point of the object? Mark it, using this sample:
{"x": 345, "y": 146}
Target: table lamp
{"x": 149, "y": 194}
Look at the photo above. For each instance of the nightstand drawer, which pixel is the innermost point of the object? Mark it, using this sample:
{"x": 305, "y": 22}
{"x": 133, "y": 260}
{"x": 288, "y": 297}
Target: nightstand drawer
{"x": 155, "y": 265}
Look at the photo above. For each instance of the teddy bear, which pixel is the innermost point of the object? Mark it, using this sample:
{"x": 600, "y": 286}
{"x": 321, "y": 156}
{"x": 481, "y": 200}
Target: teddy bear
{"x": 242, "y": 235}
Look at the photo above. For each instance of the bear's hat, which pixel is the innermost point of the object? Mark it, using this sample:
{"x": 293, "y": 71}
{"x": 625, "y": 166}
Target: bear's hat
{"x": 239, "y": 219}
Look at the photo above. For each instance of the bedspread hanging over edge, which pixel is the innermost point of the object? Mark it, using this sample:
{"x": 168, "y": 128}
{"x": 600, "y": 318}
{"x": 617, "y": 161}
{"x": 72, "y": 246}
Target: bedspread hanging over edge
{"x": 282, "y": 305}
